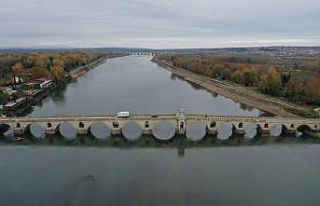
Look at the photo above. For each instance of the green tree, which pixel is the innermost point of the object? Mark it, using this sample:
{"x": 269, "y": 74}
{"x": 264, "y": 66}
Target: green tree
{"x": 4, "y": 98}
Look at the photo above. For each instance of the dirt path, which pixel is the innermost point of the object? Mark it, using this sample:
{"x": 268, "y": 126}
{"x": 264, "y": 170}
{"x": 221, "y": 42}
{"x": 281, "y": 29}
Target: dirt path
{"x": 240, "y": 94}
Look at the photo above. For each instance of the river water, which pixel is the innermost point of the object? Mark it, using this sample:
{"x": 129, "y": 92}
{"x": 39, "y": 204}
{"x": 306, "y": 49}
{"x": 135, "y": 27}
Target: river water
{"x": 279, "y": 172}
{"x": 136, "y": 84}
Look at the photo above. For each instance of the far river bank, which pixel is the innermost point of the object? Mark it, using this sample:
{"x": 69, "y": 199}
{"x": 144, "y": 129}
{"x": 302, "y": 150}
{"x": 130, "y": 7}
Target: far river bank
{"x": 80, "y": 71}
{"x": 238, "y": 93}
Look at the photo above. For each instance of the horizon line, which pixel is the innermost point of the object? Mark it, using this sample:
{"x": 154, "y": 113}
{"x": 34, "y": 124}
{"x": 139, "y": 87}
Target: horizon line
{"x": 146, "y": 48}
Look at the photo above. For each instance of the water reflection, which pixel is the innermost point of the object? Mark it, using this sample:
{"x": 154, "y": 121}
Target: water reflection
{"x": 246, "y": 107}
{"x": 163, "y": 131}
{"x": 276, "y": 130}
{"x": 254, "y": 175}
{"x": 225, "y": 130}
{"x": 131, "y": 131}
{"x": 195, "y": 86}
{"x": 67, "y": 131}
{"x": 37, "y": 131}
{"x": 58, "y": 94}
{"x": 196, "y": 131}
{"x": 250, "y": 131}
{"x": 100, "y": 131}
{"x": 214, "y": 95}
{"x": 173, "y": 77}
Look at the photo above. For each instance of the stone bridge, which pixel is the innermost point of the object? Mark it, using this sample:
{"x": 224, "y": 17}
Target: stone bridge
{"x": 180, "y": 122}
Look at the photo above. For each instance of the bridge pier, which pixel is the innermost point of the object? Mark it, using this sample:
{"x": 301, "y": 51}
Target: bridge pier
{"x": 238, "y": 132}
{"x": 264, "y": 132}
{"x": 50, "y": 131}
{"x": 116, "y": 131}
{"x": 313, "y": 133}
{"x": 213, "y": 132}
{"x": 146, "y": 132}
{"x": 181, "y": 122}
{"x": 18, "y": 131}
{"x": 288, "y": 132}
{"x": 82, "y": 131}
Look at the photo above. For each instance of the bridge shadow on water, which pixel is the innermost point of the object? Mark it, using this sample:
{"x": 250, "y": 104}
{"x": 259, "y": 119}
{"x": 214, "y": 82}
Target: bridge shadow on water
{"x": 148, "y": 141}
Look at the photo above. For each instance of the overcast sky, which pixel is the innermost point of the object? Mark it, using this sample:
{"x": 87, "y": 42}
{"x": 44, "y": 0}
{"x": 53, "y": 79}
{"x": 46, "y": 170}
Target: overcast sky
{"x": 159, "y": 23}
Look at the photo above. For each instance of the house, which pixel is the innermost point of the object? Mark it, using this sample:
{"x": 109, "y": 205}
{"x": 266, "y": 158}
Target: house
{"x": 43, "y": 82}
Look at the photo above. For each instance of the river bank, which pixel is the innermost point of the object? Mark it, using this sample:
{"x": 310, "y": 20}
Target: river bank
{"x": 24, "y": 105}
{"x": 239, "y": 93}
{"x": 80, "y": 71}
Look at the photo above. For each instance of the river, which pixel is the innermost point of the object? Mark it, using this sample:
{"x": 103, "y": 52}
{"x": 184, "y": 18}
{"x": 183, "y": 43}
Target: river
{"x": 279, "y": 172}
{"x": 138, "y": 85}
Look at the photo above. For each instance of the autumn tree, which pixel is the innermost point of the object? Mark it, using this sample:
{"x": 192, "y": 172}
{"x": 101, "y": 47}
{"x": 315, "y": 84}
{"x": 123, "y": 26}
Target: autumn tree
{"x": 312, "y": 89}
{"x": 18, "y": 71}
{"x": 270, "y": 83}
{"x": 57, "y": 73}
{"x": 295, "y": 89}
{"x": 250, "y": 76}
{"x": 58, "y": 62}
{"x": 41, "y": 60}
{"x": 37, "y": 72}
{"x": 237, "y": 77}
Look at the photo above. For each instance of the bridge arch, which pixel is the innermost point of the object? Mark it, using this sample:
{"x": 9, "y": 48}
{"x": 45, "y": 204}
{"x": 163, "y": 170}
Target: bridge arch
{"x": 304, "y": 128}
{"x": 67, "y": 131}
{"x": 196, "y": 131}
{"x": 251, "y": 130}
{"x": 35, "y": 130}
{"x": 99, "y": 131}
{"x": 131, "y": 131}
{"x": 6, "y": 131}
{"x": 225, "y": 130}
{"x": 163, "y": 131}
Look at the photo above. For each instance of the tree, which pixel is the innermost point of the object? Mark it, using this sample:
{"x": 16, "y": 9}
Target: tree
{"x": 295, "y": 89}
{"x": 4, "y": 98}
{"x": 18, "y": 71}
{"x": 37, "y": 72}
{"x": 237, "y": 77}
{"x": 41, "y": 60}
{"x": 270, "y": 83}
{"x": 318, "y": 68}
{"x": 57, "y": 73}
{"x": 250, "y": 76}
{"x": 312, "y": 90}
{"x": 58, "y": 62}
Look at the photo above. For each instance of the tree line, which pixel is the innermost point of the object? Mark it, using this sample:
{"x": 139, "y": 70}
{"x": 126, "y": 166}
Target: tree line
{"x": 31, "y": 65}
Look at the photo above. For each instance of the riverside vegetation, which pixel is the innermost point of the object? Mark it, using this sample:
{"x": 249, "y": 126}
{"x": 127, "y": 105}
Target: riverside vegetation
{"x": 298, "y": 82}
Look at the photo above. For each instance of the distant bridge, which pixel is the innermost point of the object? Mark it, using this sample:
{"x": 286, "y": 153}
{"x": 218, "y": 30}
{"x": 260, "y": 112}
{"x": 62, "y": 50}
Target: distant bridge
{"x": 179, "y": 124}
{"x": 143, "y": 53}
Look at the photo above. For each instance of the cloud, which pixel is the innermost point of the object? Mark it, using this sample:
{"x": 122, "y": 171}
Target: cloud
{"x": 159, "y": 24}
